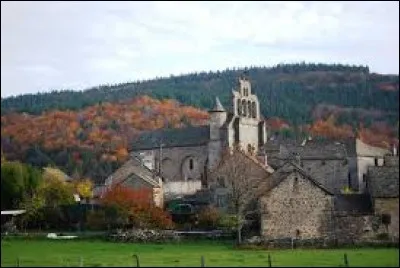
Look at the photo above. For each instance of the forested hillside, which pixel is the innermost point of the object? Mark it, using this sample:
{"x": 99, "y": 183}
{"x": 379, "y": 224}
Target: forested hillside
{"x": 92, "y": 142}
{"x": 86, "y": 133}
{"x": 290, "y": 92}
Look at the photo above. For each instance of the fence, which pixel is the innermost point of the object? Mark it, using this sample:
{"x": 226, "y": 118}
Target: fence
{"x": 136, "y": 261}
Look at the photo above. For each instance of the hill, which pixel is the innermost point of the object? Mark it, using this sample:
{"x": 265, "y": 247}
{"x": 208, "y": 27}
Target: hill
{"x": 290, "y": 92}
{"x": 91, "y": 142}
{"x": 86, "y": 133}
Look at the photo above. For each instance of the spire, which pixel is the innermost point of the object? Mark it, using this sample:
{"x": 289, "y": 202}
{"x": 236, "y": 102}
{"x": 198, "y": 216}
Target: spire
{"x": 218, "y": 106}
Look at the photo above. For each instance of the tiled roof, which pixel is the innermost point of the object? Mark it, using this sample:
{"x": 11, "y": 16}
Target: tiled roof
{"x": 189, "y": 136}
{"x": 383, "y": 181}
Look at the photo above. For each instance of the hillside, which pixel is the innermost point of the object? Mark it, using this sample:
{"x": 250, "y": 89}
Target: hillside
{"x": 86, "y": 133}
{"x": 92, "y": 142}
{"x": 290, "y": 92}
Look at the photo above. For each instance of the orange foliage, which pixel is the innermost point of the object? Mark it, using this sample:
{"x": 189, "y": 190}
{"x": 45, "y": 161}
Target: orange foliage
{"x": 126, "y": 197}
{"x": 276, "y": 123}
{"x": 138, "y": 205}
{"x": 328, "y": 128}
{"x": 104, "y": 128}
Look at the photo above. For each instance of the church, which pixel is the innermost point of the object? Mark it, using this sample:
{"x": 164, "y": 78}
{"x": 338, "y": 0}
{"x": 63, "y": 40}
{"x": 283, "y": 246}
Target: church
{"x": 184, "y": 156}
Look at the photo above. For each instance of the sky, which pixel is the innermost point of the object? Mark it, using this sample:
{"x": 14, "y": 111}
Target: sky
{"x": 76, "y": 45}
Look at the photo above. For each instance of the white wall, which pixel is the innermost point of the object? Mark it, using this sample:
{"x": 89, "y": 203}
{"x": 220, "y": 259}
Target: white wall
{"x": 178, "y": 188}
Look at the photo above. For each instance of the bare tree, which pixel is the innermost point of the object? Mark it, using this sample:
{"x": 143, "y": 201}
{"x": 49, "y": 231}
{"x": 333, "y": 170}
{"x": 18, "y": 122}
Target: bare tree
{"x": 245, "y": 179}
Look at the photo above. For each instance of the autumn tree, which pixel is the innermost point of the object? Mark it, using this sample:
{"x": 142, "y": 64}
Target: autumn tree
{"x": 245, "y": 180}
{"x": 84, "y": 188}
{"x": 134, "y": 207}
{"x": 55, "y": 190}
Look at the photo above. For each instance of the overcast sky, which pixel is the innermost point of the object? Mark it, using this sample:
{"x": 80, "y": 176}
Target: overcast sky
{"x": 75, "y": 45}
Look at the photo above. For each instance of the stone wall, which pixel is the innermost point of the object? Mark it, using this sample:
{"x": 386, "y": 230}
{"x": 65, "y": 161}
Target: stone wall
{"x": 391, "y": 160}
{"x": 248, "y": 129}
{"x": 296, "y": 208}
{"x": 349, "y": 228}
{"x": 389, "y": 206}
{"x": 176, "y": 162}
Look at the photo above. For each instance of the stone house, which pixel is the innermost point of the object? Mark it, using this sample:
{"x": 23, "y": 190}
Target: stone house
{"x": 383, "y": 185}
{"x": 136, "y": 175}
{"x": 297, "y": 206}
{"x": 185, "y": 156}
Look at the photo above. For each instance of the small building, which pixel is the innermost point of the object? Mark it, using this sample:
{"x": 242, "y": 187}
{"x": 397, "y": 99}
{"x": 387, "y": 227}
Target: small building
{"x": 136, "y": 175}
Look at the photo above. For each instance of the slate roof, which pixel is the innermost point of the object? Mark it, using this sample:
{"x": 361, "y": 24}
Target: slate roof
{"x": 310, "y": 149}
{"x": 218, "y": 106}
{"x": 289, "y": 167}
{"x": 383, "y": 181}
{"x": 133, "y": 166}
{"x": 189, "y": 136}
{"x": 359, "y": 204}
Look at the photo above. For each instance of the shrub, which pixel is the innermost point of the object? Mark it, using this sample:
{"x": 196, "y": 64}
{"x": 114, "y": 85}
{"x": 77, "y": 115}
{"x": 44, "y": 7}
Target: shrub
{"x": 209, "y": 217}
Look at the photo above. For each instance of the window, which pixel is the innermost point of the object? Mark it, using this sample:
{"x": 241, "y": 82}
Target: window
{"x": 253, "y": 108}
{"x": 239, "y": 107}
{"x": 297, "y": 233}
{"x": 249, "y": 113}
{"x": 376, "y": 161}
{"x": 191, "y": 164}
{"x": 386, "y": 219}
{"x": 244, "y": 108}
{"x": 364, "y": 178}
{"x": 296, "y": 185}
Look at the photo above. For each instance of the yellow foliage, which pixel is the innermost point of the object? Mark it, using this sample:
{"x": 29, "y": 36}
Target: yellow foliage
{"x": 84, "y": 188}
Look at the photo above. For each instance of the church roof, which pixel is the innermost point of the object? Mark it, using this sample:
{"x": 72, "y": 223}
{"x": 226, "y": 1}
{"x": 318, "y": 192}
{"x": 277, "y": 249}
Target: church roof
{"x": 177, "y": 137}
{"x": 218, "y": 106}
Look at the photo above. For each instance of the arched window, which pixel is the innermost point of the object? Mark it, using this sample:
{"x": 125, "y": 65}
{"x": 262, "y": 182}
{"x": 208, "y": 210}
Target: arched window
{"x": 250, "y": 114}
{"x": 191, "y": 164}
{"x": 254, "y": 110}
{"x": 239, "y": 107}
{"x": 244, "y": 107}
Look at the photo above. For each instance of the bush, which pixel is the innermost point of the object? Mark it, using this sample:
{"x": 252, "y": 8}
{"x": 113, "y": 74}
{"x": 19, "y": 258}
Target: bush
{"x": 208, "y": 218}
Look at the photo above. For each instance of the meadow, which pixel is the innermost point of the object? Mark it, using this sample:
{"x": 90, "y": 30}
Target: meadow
{"x": 24, "y": 252}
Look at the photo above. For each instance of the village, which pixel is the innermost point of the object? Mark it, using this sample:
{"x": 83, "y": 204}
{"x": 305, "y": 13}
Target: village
{"x": 342, "y": 190}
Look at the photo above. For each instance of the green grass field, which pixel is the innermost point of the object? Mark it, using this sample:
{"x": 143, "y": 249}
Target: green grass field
{"x": 99, "y": 253}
